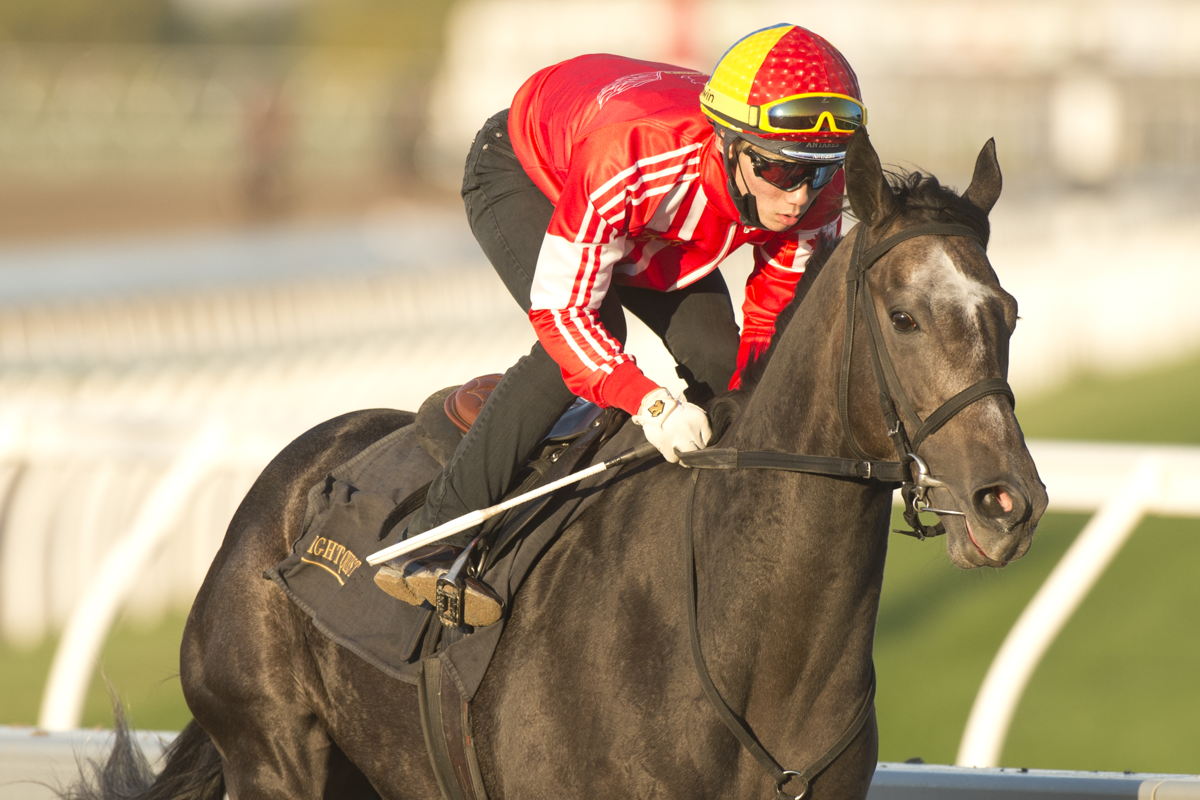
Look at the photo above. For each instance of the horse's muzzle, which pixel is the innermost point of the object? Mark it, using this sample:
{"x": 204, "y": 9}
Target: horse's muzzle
{"x": 998, "y": 527}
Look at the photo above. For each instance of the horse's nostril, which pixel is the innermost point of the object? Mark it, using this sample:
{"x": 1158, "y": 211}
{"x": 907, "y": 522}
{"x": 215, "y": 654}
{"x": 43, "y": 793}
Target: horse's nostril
{"x": 994, "y": 502}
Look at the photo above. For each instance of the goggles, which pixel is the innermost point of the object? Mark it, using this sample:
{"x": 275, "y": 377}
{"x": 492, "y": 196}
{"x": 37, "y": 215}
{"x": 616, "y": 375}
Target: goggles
{"x": 816, "y": 112}
{"x": 791, "y": 175}
{"x": 813, "y": 113}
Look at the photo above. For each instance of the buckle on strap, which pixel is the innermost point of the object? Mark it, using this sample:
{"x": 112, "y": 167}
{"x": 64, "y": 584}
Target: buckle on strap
{"x": 916, "y": 503}
{"x": 784, "y": 779}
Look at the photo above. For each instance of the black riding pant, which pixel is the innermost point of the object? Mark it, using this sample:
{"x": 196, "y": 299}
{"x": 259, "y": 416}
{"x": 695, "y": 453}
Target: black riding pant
{"x": 509, "y": 216}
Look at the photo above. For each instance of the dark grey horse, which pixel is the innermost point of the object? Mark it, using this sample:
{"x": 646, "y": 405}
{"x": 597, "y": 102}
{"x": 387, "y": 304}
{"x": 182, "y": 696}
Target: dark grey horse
{"x": 594, "y": 691}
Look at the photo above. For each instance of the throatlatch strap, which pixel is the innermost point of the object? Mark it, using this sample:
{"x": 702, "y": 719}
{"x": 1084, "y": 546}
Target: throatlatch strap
{"x": 848, "y": 347}
{"x": 891, "y": 392}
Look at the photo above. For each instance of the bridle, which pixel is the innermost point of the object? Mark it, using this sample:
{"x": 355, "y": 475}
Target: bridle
{"x": 909, "y": 472}
{"x": 894, "y": 400}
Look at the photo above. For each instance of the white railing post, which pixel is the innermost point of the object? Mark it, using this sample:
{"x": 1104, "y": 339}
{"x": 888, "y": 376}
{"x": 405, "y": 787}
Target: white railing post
{"x": 1050, "y": 609}
{"x": 93, "y": 615}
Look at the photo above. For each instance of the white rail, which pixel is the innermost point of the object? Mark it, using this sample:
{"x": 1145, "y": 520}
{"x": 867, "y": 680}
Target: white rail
{"x": 1122, "y": 483}
{"x": 88, "y": 626}
{"x": 935, "y": 782}
{"x": 28, "y": 755}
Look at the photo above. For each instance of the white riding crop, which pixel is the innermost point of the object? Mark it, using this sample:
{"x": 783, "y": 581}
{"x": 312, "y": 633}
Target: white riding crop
{"x": 473, "y": 518}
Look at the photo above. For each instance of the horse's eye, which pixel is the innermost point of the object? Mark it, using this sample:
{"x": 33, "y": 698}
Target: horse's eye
{"x": 903, "y": 322}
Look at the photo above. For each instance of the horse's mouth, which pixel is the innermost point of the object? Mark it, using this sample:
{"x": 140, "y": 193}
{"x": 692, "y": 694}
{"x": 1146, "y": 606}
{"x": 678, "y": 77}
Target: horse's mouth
{"x": 989, "y": 561}
{"x": 970, "y": 545}
{"x": 986, "y": 533}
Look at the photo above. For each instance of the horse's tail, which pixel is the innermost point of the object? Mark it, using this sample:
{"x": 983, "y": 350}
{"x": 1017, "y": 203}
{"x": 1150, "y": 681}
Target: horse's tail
{"x": 191, "y": 771}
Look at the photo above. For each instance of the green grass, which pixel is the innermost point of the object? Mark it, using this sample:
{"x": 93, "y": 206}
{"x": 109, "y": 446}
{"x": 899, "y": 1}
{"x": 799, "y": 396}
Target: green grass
{"x": 1115, "y": 692}
{"x": 140, "y": 663}
{"x": 1155, "y": 405}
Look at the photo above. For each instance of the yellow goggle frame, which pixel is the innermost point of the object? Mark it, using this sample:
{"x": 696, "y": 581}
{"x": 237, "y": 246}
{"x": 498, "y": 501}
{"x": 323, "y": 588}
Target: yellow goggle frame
{"x": 813, "y": 112}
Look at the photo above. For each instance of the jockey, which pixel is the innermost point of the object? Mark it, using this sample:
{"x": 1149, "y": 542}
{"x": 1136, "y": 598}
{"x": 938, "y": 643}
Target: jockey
{"x": 614, "y": 183}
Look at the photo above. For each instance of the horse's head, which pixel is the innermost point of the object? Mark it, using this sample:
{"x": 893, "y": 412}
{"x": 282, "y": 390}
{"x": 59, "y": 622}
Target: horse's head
{"x": 942, "y": 334}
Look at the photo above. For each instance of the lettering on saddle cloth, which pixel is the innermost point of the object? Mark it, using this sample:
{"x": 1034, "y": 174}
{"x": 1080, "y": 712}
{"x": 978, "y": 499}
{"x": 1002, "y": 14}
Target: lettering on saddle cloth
{"x": 333, "y": 557}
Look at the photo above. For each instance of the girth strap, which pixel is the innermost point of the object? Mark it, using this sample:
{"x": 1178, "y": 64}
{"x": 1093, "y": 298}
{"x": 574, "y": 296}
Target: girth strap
{"x": 731, "y": 458}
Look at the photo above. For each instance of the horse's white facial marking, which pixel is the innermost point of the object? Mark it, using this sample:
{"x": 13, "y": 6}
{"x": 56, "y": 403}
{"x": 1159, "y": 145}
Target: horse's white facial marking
{"x": 946, "y": 285}
{"x": 949, "y": 291}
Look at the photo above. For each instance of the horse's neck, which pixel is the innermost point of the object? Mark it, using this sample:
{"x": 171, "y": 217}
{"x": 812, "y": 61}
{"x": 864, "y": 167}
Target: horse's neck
{"x": 794, "y": 562}
{"x": 790, "y": 569}
{"x": 794, "y": 407}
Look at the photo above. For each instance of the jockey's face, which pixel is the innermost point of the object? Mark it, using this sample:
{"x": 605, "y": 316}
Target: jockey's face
{"x": 778, "y": 210}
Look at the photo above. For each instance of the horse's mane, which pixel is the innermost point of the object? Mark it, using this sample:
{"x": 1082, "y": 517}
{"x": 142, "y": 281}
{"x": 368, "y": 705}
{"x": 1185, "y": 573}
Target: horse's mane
{"x": 921, "y": 193}
{"x": 816, "y": 262}
{"x": 917, "y": 193}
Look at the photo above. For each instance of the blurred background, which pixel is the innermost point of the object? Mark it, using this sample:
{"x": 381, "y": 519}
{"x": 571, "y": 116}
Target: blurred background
{"x": 228, "y": 220}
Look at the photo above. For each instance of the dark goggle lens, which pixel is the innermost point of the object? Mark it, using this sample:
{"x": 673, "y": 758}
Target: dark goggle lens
{"x": 791, "y": 175}
{"x": 804, "y": 115}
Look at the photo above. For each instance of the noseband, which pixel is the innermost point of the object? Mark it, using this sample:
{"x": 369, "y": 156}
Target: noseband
{"x": 909, "y": 472}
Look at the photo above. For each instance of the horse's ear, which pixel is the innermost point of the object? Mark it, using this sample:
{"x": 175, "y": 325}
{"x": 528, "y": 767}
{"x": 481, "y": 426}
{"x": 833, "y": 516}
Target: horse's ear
{"x": 985, "y": 186}
{"x": 870, "y": 195}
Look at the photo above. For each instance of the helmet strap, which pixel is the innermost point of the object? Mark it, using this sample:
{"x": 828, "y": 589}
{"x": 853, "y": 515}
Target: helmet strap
{"x": 744, "y": 202}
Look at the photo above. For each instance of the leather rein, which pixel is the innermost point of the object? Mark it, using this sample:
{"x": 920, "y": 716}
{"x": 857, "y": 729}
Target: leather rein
{"x": 909, "y": 472}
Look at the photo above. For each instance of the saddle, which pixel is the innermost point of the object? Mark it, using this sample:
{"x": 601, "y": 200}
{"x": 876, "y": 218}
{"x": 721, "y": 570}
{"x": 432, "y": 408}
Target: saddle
{"x": 462, "y": 406}
{"x": 362, "y": 506}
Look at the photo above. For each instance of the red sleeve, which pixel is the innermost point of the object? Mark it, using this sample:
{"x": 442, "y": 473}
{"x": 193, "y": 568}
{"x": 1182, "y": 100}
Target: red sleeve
{"x": 611, "y": 186}
{"x": 779, "y": 265}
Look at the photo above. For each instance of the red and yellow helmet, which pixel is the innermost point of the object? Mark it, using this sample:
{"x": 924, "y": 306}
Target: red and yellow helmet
{"x": 786, "y": 89}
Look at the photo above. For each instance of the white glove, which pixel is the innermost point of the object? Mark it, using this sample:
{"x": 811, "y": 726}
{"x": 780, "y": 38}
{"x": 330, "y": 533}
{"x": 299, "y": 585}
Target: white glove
{"x": 672, "y": 425}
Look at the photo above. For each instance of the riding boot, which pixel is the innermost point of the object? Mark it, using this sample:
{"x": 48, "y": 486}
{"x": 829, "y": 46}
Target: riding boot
{"x": 518, "y": 414}
{"x": 413, "y": 578}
